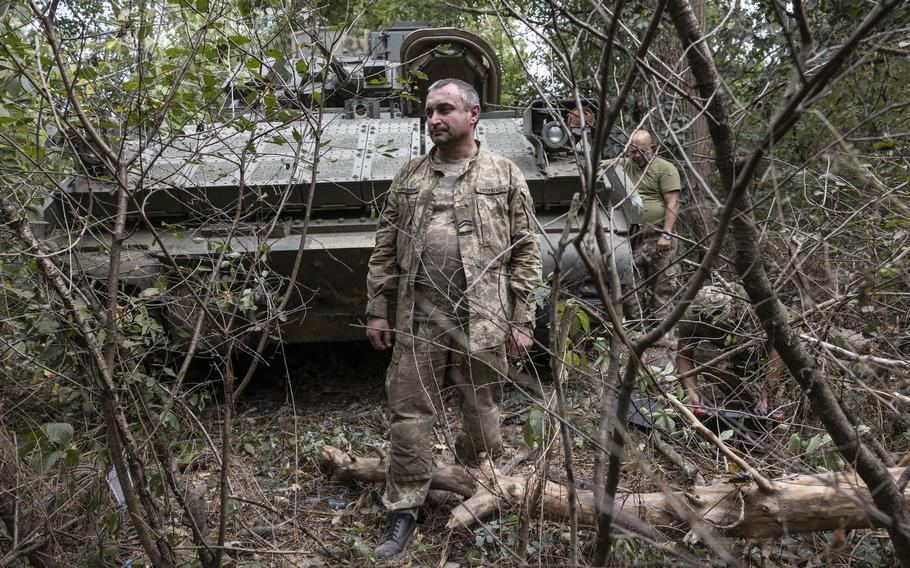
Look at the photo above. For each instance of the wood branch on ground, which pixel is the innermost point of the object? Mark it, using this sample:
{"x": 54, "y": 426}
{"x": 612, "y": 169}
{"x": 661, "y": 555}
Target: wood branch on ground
{"x": 799, "y": 504}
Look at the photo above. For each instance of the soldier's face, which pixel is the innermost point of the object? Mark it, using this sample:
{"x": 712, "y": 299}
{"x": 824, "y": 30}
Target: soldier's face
{"x": 447, "y": 120}
{"x": 641, "y": 152}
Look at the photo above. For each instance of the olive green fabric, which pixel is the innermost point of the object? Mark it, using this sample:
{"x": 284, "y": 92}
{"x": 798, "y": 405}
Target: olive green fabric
{"x": 655, "y": 279}
{"x": 415, "y": 389}
{"x": 718, "y": 321}
{"x": 497, "y": 241}
{"x": 440, "y": 273}
{"x": 657, "y": 178}
{"x": 452, "y": 315}
{"x": 718, "y": 314}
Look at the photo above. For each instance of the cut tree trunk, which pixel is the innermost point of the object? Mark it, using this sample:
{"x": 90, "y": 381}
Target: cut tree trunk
{"x": 800, "y": 503}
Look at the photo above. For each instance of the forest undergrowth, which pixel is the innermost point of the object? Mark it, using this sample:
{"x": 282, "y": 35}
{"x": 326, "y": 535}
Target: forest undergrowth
{"x": 286, "y": 511}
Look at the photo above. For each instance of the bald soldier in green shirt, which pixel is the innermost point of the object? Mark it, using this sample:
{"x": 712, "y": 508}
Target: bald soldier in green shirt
{"x": 657, "y": 181}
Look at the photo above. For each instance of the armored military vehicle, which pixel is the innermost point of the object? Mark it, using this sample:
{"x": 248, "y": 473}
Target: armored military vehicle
{"x": 223, "y": 206}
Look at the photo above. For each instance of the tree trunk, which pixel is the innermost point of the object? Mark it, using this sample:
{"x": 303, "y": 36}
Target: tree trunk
{"x": 800, "y": 504}
{"x": 749, "y": 262}
{"x": 696, "y": 215}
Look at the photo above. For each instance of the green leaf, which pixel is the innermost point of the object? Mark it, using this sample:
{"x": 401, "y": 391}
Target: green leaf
{"x": 560, "y": 310}
{"x": 249, "y": 448}
{"x": 131, "y": 84}
{"x": 301, "y": 66}
{"x": 171, "y": 421}
{"x": 583, "y": 319}
{"x": 58, "y": 433}
{"x": 47, "y": 325}
{"x": 105, "y": 557}
{"x": 202, "y": 5}
{"x": 794, "y": 443}
{"x": 147, "y": 26}
{"x": 238, "y": 39}
{"x": 889, "y": 272}
{"x": 286, "y": 116}
{"x": 572, "y": 358}
{"x": 72, "y": 457}
{"x": 156, "y": 484}
{"x": 111, "y": 523}
{"x": 533, "y": 429}
{"x": 815, "y": 442}
{"x": 209, "y": 81}
{"x": 420, "y": 75}
{"x": 47, "y": 461}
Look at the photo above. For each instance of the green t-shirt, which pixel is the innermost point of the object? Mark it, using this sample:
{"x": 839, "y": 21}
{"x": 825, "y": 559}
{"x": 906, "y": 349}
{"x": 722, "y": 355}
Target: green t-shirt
{"x": 657, "y": 178}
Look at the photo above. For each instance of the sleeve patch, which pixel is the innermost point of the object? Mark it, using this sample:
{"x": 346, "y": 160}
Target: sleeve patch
{"x": 496, "y": 190}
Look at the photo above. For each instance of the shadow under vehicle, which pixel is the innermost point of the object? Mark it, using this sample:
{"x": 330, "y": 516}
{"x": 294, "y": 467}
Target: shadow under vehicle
{"x": 222, "y": 207}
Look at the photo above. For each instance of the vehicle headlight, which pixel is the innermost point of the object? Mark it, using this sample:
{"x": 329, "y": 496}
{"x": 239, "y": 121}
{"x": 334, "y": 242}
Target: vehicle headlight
{"x": 554, "y": 136}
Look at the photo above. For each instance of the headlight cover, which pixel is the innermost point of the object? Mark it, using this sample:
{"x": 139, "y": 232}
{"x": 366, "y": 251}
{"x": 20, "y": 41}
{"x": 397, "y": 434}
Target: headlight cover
{"x": 553, "y": 135}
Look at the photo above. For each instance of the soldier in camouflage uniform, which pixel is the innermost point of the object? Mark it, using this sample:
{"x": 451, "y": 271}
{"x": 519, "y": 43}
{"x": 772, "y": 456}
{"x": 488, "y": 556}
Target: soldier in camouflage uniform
{"x": 457, "y": 254}
{"x": 720, "y": 316}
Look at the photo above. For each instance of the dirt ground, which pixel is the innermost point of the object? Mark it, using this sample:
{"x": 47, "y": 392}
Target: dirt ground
{"x": 288, "y": 504}
{"x": 287, "y": 512}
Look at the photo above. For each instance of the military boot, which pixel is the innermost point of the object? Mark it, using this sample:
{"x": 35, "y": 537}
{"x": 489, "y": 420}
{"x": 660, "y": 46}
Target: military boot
{"x": 396, "y": 537}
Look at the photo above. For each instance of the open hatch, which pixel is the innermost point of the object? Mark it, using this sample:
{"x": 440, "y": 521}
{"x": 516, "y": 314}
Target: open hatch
{"x": 442, "y": 53}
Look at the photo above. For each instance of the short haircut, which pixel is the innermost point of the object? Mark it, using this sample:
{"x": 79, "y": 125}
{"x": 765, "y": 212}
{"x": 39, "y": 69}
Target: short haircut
{"x": 468, "y": 94}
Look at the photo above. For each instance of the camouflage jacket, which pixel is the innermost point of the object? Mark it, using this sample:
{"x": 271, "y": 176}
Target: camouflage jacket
{"x": 495, "y": 225}
{"x": 721, "y": 314}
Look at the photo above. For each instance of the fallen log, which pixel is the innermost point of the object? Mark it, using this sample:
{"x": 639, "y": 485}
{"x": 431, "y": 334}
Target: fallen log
{"x": 798, "y": 504}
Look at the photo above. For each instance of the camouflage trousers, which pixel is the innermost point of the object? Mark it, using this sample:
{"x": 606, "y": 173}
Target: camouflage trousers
{"x": 655, "y": 279}
{"x": 415, "y": 385}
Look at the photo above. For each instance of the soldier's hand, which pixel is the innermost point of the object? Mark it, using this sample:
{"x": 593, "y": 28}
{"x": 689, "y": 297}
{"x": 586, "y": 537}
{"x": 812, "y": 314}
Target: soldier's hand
{"x": 520, "y": 340}
{"x": 379, "y": 333}
{"x": 663, "y": 244}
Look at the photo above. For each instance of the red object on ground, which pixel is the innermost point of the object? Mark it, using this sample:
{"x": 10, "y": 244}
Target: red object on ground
{"x": 777, "y": 416}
